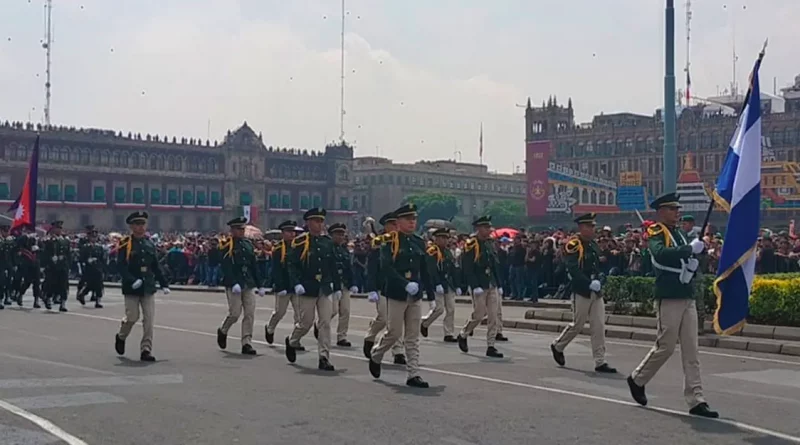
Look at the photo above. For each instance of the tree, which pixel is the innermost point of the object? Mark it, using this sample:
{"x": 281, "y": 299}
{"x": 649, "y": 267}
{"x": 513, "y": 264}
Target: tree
{"x": 507, "y": 213}
{"x": 433, "y": 206}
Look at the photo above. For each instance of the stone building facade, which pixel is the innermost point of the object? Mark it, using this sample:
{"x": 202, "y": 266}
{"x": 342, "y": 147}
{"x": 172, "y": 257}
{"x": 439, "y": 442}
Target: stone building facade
{"x": 89, "y": 176}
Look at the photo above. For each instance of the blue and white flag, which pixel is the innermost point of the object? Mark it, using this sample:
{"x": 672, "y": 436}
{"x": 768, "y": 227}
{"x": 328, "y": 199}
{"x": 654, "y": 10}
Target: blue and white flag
{"x": 738, "y": 191}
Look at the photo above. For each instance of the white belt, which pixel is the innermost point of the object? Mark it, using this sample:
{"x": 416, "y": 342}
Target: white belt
{"x": 685, "y": 275}
{"x": 664, "y": 268}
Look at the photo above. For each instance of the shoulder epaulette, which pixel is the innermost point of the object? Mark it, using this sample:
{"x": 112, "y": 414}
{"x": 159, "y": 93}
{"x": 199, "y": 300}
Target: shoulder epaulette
{"x": 376, "y": 242}
{"x": 655, "y": 229}
{"x": 473, "y": 244}
{"x": 432, "y": 250}
{"x": 300, "y": 239}
{"x": 573, "y": 245}
{"x": 125, "y": 243}
{"x": 305, "y": 241}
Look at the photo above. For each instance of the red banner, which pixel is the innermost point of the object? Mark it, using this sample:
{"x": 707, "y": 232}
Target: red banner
{"x": 537, "y": 158}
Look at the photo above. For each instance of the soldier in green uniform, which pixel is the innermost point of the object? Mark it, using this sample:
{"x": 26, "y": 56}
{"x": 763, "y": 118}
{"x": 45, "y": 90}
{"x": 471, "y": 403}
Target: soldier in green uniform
{"x": 281, "y": 283}
{"x": 344, "y": 273}
{"x": 57, "y": 257}
{"x": 28, "y": 272}
{"x": 374, "y": 290}
{"x": 138, "y": 266}
{"x": 5, "y": 267}
{"x": 92, "y": 259}
{"x": 674, "y": 264}
{"x": 405, "y": 279}
{"x": 480, "y": 268}
{"x": 582, "y": 259}
{"x": 241, "y": 278}
{"x": 312, "y": 274}
{"x": 442, "y": 268}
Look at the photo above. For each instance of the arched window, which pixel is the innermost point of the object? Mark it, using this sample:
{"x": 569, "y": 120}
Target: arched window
{"x": 115, "y": 159}
{"x": 75, "y": 156}
{"x": 142, "y": 160}
{"x": 179, "y": 163}
{"x": 610, "y": 198}
{"x": 104, "y": 158}
{"x": 584, "y": 196}
{"x": 85, "y": 157}
{"x": 65, "y": 155}
{"x": 161, "y": 162}
{"x": 212, "y": 165}
{"x": 344, "y": 175}
{"x": 153, "y": 162}
{"x": 135, "y": 161}
{"x": 171, "y": 162}
{"x": 593, "y": 198}
{"x": 602, "y": 198}
{"x": 124, "y": 159}
{"x": 95, "y": 157}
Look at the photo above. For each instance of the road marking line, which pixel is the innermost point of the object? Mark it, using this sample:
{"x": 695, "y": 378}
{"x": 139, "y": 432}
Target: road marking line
{"x": 71, "y": 382}
{"x": 50, "y": 362}
{"x": 65, "y": 400}
{"x": 21, "y": 436}
{"x": 733, "y": 423}
{"x": 42, "y": 423}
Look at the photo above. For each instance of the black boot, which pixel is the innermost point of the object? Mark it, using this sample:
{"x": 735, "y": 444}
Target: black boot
{"x": 492, "y": 352}
{"x": 270, "y": 336}
{"x": 417, "y": 382}
{"x": 222, "y": 339}
{"x": 462, "y": 343}
{"x": 119, "y": 345}
{"x": 703, "y": 410}
{"x": 368, "y": 348}
{"x": 248, "y": 350}
{"x": 399, "y": 359}
{"x": 300, "y": 348}
{"x": 374, "y": 368}
{"x": 423, "y": 330}
{"x": 291, "y": 354}
{"x": 450, "y": 339}
{"x": 63, "y": 306}
{"x": 316, "y": 331}
{"x": 147, "y": 357}
{"x": 343, "y": 344}
{"x": 558, "y": 356}
{"x": 81, "y": 299}
{"x": 605, "y": 369}
{"x": 500, "y": 337}
{"x": 325, "y": 365}
{"x": 97, "y": 304}
{"x": 637, "y": 392}
{"x": 36, "y": 304}
{"x": 47, "y": 304}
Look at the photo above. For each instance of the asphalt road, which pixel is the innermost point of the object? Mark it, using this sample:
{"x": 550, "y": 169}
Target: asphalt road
{"x": 62, "y": 382}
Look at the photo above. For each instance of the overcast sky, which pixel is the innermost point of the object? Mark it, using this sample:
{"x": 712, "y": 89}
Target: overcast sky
{"x": 421, "y": 74}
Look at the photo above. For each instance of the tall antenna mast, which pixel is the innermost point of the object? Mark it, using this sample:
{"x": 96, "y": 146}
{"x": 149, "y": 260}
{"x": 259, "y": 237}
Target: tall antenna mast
{"x": 341, "y": 99}
{"x": 48, "y": 44}
{"x": 688, "y": 52}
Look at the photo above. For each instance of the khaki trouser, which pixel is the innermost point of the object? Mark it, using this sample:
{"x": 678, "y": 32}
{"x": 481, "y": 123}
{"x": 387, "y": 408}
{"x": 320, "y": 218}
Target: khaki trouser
{"x": 281, "y": 304}
{"x": 500, "y": 314}
{"x": 484, "y": 305}
{"x": 245, "y": 301}
{"x": 400, "y": 316}
{"x": 445, "y": 304}
{"x": 584, "y": 309}
{"x": 378, "y": 324}
{"x": 342, "y": 309}
{"x": 677, "y": 321}
{"x": 148, "y": 305}
{"x": 323, "y": 307}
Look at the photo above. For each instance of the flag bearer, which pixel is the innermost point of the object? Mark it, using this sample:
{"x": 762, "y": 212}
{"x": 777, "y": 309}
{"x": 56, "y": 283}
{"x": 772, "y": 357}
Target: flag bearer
{"x": 582, "y": 258}
{"x": 281, "y": 284}
{"x": 443, "y": 273}
{"x": 242, "y": 279}
{"x": 676, "y": 310}
{"x": 28, "y": 272}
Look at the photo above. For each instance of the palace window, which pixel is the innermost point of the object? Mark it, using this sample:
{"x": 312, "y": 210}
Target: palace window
{"x": 317, "y": 200}
{"x": 188, "y": 197}
{"x": 172, "y": 197}
{"x": 5, "y": 190}
{"x": 155, "y": 196}
{"x": 138, "y": 195}
{"x": 216, "y": 198}
{"x": 274, "y": 200}
{"x": 98, "y": 193}
{"x": 200, "y": 197}
{"x": 54, "y": 192}
{"x": 344, "y": 203}
{"x": 119, "y": 194}
{"x": 305, "y": 201}
{"x": 70, "y": 193}
{"x": 245, "y": 199}
{"x": 286, "y": 200}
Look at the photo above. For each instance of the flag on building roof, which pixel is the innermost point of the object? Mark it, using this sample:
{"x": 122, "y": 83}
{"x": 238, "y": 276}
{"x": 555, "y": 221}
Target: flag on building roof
{"x": 738, "y": 191}
{"x": 25, "y": 205}
{"x": 480, "y": 143}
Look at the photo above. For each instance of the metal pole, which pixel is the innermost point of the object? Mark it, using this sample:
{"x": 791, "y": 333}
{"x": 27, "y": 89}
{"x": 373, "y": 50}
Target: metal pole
{"x": 341, "y": 103}
{"x": 48, "y": 44}
{"x": 670, "y": 155}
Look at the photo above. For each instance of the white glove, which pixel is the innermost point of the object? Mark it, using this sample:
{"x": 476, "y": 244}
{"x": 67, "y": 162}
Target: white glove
{"x": 137, "y": 284}
{"x": 373, "y": 297}
{"x": 262, "y": 291}
{"x": 268, "y": 290}
{"x": 281, "y": 293}
{"x": 353, "y": 290}
{"x": 477, "y": 291}
{"x": 595, "y": 286}
{"x": 337, "y": 295}
{"x": 165, "y": 290}
{"x": 55, "y": 259}
{"x": 697, "y": 246}
{"x": 35, "y": 248}
{"x": 500, "y": 291}
{"x": 692, "y": 265}
{"x": 412, "y": 288}
{"x": 458, "y": 291}
{"x": 91, "y": 260}
{"x": 299, "y": 289}
{"x": 236, "y": 289}
{"x": 439, "y": 289}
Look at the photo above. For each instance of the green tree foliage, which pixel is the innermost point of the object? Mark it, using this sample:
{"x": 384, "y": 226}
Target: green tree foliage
{"x": 433, "y": 205}
{"x": 508, "y": 213}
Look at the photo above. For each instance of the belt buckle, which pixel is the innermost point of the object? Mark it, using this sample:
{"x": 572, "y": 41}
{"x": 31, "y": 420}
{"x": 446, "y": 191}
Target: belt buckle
{"x": 143, "y": 269}
{"x": 408, "y": 275}
{"x": 318, "y": 277}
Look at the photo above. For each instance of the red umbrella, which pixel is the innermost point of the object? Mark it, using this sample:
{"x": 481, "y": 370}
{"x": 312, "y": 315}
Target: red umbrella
{"x": 506, "y": 231}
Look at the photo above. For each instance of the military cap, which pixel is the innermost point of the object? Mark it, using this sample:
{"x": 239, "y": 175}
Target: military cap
{"x": 57, "y": 223}
{"x": 299, "y": 229}
{"x": 587, "y": 218}
{"x": 288, "y": 225}
{"x": 406, "y": 210}
{"x": 337, "y": 227}
{"x": 5, "y": 227}
{"x": 139, "y": 216}
{"x": 441, "y": 232}
{"x": 238, "y": 222}
{"x": 482, "y": 221}
{"x": 666, "y": 200}
{"x": 687, "y": 218}
{"x": 315, "y": 213}
{"x": 90, "y": 229}
{"x": 387, "y": 218}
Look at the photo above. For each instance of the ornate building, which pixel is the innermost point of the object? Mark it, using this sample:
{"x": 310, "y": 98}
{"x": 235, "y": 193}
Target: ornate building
{"x": 89, "y": 176}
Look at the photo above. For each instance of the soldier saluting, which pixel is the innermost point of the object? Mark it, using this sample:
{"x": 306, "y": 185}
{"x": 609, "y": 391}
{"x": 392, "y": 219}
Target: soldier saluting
{"x": 281, "y": 282}
{"x": 480, "y": 270}
{"x": 57, "y": 257}
{"x": 676, "y": 310}
{"x": 444, "y": 274}
{"x": 241, "y": 278}
{"x": 582, "y": 259}
{"x": 139, "y": 268}
{"x": 92, "y": 259}
{"x": 312, "y": 272}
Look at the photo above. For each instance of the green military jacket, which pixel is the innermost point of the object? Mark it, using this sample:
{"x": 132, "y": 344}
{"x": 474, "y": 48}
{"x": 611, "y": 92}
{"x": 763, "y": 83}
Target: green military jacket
{"x": 668, "y": 246}
{"x": 56, "y": 248}
{"x": 92, "y": 256}
{"x": 280, "y": 267}
{"x": 374, "y": 278}
{"x": 239, "y": 264}
{"x": 479, "y": 265}
{"x": 402, "y": 262}
{"x": 582, "y": 260}
{"x": 442, "y": 268}
{"x": 312, "y": 263}
{"x": 344, "y": 267}
{"x": 7, "y": 248}
{"x": 137, "y": 260}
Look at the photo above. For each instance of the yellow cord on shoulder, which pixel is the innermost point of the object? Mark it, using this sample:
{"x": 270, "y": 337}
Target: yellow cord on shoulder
{"x": 434, "y": 250}
{"x": 126, "y": 243}
{"x": 575, "y": 245}
{"x": 659, "y": 228}
{"x": 395, "y": 240}
{"x": 305, "y": 241}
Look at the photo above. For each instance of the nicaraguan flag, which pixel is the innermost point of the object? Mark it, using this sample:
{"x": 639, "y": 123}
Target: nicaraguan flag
{"x": 738, "y": 191}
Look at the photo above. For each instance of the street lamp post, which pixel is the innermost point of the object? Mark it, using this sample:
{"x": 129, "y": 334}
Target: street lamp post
{"x": 670, "y": 155}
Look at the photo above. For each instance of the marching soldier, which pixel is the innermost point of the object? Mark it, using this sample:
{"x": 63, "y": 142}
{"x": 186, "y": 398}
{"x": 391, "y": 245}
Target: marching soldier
{"x": 28, "y": 271}
{"x": 375, "y": 285}
{"x": 344, "y": 269}
{"x": 312, "y": 274}
{"x": 242, "y": 278}
{"x": 443, "y": 273}
{"x": 140, "y": 271}
{"x": 57, "y": 256}
{"x": 676, "y": 310}
{"x": 480, "y": 268}
{"x": 582, "y": 258}
{"x": 281, "y": 282}
{"x": 6, "y": 270}
{"x": 403, "y": 262}
{"x": 92, "y": 260}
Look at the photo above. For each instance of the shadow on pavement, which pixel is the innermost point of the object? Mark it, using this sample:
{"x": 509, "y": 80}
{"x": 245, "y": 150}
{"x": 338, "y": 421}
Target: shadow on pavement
{"x": 433, "y": 391}
{"x": 238, "y": 356}
{"x": 315, "y": 371}
{"x": 596, "y": 375}
{"x": 128, "y": 363}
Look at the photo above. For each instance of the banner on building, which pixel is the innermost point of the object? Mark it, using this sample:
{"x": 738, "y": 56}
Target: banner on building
{"x": 250, "y": 213}
{"x": 537, "y": 160}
